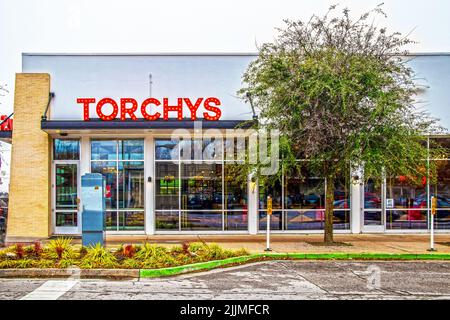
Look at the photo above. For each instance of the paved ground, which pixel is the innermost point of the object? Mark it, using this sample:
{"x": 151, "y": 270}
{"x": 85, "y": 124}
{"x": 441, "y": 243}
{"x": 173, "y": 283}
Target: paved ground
{"x": 264, "y": 280}
{"x": 306, "y": 243}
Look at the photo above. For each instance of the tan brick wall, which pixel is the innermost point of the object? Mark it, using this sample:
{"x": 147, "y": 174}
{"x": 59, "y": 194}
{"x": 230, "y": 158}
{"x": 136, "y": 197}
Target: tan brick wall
{"x": 29, "y": 198}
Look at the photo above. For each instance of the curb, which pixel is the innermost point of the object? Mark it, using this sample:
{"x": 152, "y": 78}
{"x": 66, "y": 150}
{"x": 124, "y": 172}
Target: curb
{"x": 118, "y": 274}
{"x": 122, "y": 274}
{"x": 171, "y": 271}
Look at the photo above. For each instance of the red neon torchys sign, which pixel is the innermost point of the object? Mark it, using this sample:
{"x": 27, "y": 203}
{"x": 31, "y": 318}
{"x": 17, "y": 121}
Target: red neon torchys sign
{"x": 128, "y": 107}
{"x": 6, "y": 125}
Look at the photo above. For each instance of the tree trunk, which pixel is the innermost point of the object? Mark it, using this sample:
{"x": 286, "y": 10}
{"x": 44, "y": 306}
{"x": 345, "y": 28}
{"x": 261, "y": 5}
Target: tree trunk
{"x": 329, "y": 200}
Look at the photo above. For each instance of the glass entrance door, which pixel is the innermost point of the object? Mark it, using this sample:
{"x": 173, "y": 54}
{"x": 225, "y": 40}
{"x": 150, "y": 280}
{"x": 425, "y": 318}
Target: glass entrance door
{"x": 373, "y": 206}
{"x": 66, "y": 200}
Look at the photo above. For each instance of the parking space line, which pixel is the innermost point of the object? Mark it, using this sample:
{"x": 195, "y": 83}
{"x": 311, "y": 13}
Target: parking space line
{"x": 51, "y": 290}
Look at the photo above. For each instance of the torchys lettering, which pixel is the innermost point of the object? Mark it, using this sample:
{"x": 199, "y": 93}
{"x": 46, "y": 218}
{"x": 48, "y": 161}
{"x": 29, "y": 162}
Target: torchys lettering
{"x": 129, "y": 107}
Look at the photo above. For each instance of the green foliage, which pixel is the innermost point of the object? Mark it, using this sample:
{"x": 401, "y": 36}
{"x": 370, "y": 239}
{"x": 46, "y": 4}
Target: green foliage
{"x": 341, "y": 95}
{"x": 148, "y": 255}
{"x": 60, "y": 248}
{"x": 150, "y": 251}
{"x": 98, "y": 257}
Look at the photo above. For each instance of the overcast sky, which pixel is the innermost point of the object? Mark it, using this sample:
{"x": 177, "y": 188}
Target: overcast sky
{"x": 184, "y": 26}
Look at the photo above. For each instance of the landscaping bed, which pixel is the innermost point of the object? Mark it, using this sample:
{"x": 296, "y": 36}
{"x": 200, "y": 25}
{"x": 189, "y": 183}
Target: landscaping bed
{"x": 60, "y": 253}
{"x": 61, "y": 259}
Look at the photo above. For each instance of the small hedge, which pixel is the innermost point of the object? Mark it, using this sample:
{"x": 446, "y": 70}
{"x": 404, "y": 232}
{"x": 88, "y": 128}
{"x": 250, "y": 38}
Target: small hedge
{"x": 60, "y": 253}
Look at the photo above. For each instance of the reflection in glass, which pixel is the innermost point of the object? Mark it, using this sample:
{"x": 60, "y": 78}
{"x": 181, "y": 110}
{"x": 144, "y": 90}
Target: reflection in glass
{"x": 66, "y": 149}
{"x": 372, "y": 203}
{"x": 201, "y": 186}
{"x": 166, "y": 149}
{"x": 131, "y": 220}
{"x": 167, "y": 186}
{"x": 276, "y": 221}
{"x": 201, "y": 220}
{"x": 104, "y": 149}
{"x": 236, "y": 220}
{"x": 167, "y": 220}
{"x": 441, "y": 190}
{"x": 235, "y": 193}
{"x": 410, "y": 203}
{"x": 66, "y": 186}
{"x": 109, "y": 170}
{"x": 303, "y": 191}
{"x": 124, "y": 181}
{"x": 131, "y": 149}
{"x": 131, "y": 184}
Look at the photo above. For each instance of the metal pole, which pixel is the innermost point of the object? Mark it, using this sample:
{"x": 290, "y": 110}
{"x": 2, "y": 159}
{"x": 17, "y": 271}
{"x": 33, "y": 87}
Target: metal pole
{"x": 269, "y": 213}
{"x": 268, "y": 234}
{"x": 433, "y": 212}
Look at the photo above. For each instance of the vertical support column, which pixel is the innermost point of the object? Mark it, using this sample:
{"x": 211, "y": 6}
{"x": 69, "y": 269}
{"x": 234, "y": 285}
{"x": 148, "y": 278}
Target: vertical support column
{"x": 85, "y": 160}
{"x": 252, "y": 190}
{"x": 29, "y": 215}
{"x": 84, "y": 167}
{"x": 356, "y": 212}
{"x": 149, "y": 186}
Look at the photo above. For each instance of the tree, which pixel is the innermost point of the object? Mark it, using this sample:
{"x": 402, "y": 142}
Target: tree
{"x": 342, "y": 95}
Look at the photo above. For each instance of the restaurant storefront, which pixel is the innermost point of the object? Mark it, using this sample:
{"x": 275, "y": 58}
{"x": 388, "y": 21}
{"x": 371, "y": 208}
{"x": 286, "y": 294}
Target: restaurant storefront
{"x": 100, "y": 119}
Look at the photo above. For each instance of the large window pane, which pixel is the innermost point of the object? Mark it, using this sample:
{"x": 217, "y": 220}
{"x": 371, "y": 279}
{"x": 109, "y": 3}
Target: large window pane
{"x": 274, "y": 191}
{"x": 167, "y": 186}
{"x": 304, "y": 191}
{"x": 131, "y": 184}
{"x": 201, "y": 220}
{"x": 65, "y": 149}
{"x": 201, "y": 186}
{"x": 131, "y": 149}
{"x": 66, "y": 186}
{"x": 441, "y": 190}
{"x": 276, "y": 221}
{"x": 109, "y": 170}
{"x": 131, "y": 220}
{"x": 166, "y": 149}
{"x": 410, "y": 203}
{"x": 167, "y": 220}
{"x": 236, "y": 220}
{"x": 104, "y": 149}
{"x": 372, "y": 203}
{"x": 235, "y": 193}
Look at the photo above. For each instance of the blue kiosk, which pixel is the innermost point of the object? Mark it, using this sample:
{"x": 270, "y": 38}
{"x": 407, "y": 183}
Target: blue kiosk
{"x": 93, "y": 213}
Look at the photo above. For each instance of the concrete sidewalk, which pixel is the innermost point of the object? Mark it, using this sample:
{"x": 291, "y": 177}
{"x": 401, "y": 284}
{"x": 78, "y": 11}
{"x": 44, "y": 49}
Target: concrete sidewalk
{"x": 304, "y": 243}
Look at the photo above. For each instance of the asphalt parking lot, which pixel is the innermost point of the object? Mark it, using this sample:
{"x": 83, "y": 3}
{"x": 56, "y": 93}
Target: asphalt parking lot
{"x": 264, "y": 280}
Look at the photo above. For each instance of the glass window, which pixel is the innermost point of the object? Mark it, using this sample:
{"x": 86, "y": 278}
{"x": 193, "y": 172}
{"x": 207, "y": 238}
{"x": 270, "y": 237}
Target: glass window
{"x": 304, "y": 191}
{"x": 201, "y": 186}
{"x": 199, "y": 194}
{"x": 65, "y": 149}
{"x": 109, "y": 170}
{"x": 167, "y": 186}
{"x": 372, "y": 203}
{"x": 409, "y": 209}
{"x": 441, "y": 190}
{"x": 104, "y": 149}
{"x": 235, "y": 193}
{"x": 131, "y": 184}
{"x": 166, "y": 149}
{"x": 118, "y": 161}
{"x": 131, "y": 149}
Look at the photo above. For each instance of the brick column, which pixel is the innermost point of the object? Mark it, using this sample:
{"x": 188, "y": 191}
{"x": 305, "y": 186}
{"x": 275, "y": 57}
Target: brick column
{"x": 29, "y": 214}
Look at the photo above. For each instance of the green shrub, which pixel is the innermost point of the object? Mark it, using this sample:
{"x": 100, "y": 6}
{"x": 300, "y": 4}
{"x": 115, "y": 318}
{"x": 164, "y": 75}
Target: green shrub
{"x": 148, "y": 251}
{"x": 24, "y": 263}
{"x": 131, "y": 264}
{"x": 98, "y": 257}
{"x": 59, "y": 249}
{"x": 44, "y": 263}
